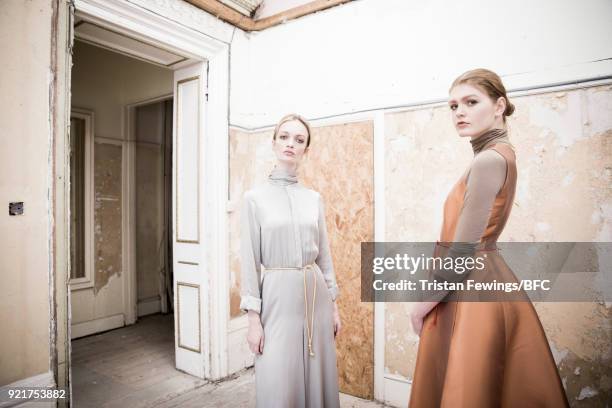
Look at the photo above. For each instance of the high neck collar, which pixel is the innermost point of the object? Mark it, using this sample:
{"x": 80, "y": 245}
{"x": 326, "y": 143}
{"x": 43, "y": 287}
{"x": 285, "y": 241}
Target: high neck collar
{"x": 490, "y": 137}
{"x": 282, "y": 177}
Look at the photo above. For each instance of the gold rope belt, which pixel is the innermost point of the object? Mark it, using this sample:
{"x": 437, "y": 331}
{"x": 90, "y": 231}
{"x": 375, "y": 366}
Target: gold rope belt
{"x": 309, "y": 327}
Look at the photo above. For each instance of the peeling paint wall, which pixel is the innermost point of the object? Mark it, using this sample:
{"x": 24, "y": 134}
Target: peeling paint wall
{"x": 25, "y": 152}
{"x": 335, "y": 150}
{"x": 107, "y": 214}
{"x": 564, "y": 156}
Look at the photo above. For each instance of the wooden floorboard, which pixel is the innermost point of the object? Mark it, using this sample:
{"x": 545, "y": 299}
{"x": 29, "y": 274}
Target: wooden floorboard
{"x": 129, "y": 367}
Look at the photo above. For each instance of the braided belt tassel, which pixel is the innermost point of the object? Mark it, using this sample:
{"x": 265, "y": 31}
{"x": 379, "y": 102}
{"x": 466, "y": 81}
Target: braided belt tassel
{"x": 310, "y": 327}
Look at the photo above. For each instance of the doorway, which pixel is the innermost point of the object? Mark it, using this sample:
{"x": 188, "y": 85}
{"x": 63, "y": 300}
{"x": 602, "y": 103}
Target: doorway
{"x": 121, "y": 203}
{"x": 200, "y": 97}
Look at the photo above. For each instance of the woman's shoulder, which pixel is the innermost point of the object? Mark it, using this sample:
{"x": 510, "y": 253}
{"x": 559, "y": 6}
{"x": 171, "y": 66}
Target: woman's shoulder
{"x": 256, "y": 191}
{"x": 487, "y": 160}
{"x": 309, "y": 191}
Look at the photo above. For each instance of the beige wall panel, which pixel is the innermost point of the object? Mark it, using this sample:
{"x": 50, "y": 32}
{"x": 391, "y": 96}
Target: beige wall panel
{"x": 25, "y": 40}
{"x": 564, "y": 156}
{"x": 149, "y": 219}
{"x": 107, "y": 213}
{"x": 336, "y": 151}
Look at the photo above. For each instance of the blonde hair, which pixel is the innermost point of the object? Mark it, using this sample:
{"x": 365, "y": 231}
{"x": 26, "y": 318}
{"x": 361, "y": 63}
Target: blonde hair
{"x": 489, "y": 82}
{"x": 289, "y": 118}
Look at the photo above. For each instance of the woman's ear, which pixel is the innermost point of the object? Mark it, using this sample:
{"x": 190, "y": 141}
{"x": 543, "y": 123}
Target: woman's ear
{"x": 500, "y": 106}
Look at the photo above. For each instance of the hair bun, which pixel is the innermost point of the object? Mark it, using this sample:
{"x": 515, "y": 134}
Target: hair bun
{"x": 509, "y": 108}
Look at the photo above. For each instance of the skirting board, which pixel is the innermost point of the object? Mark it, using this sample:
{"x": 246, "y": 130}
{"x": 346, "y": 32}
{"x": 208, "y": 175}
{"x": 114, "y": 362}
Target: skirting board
{"x": 40, "y": 380}
{"x": 149, "y": 306}
{"x": 96, "y": 326}
{"x": 397, "y": 391}
{"x": 240, "y": 357}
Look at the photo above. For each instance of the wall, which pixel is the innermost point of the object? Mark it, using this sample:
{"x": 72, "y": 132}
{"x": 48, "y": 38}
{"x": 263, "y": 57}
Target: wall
{"x": 106, "y": 82}
{"x": 396, "y": 52}
{"x": 25, "y": 168}
{"x": 151, "y": 123}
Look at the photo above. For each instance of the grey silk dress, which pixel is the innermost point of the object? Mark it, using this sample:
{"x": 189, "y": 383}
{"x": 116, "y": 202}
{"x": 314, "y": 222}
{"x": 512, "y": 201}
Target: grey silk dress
{"x": 283, "y": 229}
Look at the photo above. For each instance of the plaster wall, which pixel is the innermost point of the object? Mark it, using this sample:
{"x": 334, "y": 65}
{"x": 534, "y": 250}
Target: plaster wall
{"x": 372, "y": 54}
{"x": 25, "y": 168}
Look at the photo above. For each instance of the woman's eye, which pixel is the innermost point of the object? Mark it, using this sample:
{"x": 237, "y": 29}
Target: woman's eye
{"x": 472, "y": 102}
{"x": 282, "y": 137}
{"x": 300, "y": 141}
{"x": 453, "y": 106}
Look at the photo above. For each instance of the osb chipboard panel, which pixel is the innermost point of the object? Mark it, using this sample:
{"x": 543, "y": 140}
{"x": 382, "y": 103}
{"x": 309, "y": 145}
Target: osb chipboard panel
{"x": 335, "y": 153}
{"x": 563, "y": 143}
{"x": 107, "y": 213}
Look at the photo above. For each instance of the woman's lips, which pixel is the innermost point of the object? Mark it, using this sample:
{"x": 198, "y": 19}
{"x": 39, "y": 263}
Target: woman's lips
{"x": 288, "y": 153}
{"x": 462, "y": 124}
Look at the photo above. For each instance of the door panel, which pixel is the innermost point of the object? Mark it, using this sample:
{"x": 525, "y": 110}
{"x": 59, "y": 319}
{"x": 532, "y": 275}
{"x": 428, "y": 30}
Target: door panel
{"x": 190, "y": 289}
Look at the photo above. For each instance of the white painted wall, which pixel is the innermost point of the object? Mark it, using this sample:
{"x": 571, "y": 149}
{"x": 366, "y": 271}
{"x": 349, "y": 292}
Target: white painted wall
{"x": 372, "y": 54}
{"x": 25, "y": 175}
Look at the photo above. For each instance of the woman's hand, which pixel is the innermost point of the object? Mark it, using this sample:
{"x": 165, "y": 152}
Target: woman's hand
{"x": 418, "y": 313}
{"x": 337, "y": 323}
{"x": 255, "y": 334}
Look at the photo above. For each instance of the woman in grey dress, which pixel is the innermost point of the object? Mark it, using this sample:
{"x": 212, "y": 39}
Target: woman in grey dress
{"x": 293, "y": 317}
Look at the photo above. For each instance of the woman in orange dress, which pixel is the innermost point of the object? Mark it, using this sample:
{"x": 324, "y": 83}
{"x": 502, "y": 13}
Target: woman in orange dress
{"x": 482, "y": 354}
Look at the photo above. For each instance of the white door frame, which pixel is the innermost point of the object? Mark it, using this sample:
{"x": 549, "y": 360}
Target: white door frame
{"x": 136, "y": 22}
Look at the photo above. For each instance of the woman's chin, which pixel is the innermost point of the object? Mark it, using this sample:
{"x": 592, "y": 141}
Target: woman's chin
{"x": 464, "y": 133}
{"x": 287, "y": 160}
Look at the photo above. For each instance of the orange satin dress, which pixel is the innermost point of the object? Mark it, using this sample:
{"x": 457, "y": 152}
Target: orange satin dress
{"x": 485, "y": 354}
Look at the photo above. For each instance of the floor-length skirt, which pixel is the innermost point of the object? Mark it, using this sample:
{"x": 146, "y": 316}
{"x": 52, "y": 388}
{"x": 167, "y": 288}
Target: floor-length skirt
{"x": 485, "y": 354}
{"x": 286, "y": 375}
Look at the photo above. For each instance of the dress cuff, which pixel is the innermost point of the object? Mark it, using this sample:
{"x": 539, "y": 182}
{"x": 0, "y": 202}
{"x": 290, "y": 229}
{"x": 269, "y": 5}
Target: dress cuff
{"x": 250, "y": 303}
{"x": 333, "y": 291}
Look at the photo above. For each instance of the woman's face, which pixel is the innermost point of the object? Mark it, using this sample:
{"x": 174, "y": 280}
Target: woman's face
{"x": 290, "y": 143}
{"x": 473, "y": 111}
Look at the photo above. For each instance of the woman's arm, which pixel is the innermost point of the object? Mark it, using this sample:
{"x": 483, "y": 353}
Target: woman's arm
{"x": 324, "y": 259}
{"x": 250, "y": 269}
{"x": 325, "y": 263}
{"x": 250, "y": 256}
{"x": 485, "y": 179}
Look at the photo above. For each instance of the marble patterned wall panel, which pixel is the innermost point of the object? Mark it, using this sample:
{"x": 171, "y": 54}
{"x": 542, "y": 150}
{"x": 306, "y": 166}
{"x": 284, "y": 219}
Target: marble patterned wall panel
{"x": 339, "y": 166}
{"x": 563, "y": 142}
{"x": 107, "y": 213}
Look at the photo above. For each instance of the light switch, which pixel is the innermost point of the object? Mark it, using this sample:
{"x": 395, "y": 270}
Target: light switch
{"x": 16, "y": 208}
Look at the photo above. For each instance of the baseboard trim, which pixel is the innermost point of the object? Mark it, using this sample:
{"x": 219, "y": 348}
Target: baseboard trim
{"x": 149, "y": 306}
{"x": 396, "y": 390}
{"x": 95, "y": 326}
{"x": 39, "y": 380}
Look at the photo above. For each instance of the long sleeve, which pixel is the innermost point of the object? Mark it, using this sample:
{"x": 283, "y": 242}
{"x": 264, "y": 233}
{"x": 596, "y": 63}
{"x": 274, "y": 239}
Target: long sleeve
{"x": 485, "y": 179}
{"x": 250, "y": 256}
{"x": 324, "y": 258}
